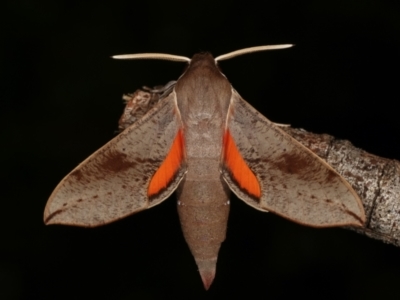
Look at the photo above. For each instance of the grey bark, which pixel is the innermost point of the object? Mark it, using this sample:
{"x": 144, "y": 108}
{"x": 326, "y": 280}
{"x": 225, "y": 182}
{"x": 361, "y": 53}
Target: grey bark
{"x": 375, "y": 179}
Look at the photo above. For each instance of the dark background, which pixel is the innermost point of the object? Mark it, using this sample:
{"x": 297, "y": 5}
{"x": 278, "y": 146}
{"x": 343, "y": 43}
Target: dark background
{"x": 61, "y": 100}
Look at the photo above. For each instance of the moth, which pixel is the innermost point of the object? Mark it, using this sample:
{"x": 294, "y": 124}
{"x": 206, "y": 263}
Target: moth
{"x": 203, "y": 141}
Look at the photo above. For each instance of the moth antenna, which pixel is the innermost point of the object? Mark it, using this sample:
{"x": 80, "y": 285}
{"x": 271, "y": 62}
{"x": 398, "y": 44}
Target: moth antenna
{"x": 161, "y": 56}
{"x": 250, "y": 50}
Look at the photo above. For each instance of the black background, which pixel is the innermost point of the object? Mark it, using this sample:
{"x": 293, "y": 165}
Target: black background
{"x": 61, "y": 100}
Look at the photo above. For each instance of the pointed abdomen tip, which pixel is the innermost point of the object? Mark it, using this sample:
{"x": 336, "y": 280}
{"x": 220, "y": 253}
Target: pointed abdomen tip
{"x": 207, "y": 271}
{"x": 207, "y": 278}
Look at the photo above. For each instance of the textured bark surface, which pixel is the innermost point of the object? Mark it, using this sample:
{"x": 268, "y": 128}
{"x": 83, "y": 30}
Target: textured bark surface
{"x": 375, "y": 179}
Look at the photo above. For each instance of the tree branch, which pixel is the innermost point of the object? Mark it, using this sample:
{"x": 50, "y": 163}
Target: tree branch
{"x": 375, "y": 179}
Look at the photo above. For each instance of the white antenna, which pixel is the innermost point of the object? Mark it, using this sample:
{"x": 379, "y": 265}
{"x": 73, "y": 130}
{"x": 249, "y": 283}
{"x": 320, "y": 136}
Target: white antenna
{"x": 161, "y": 56}
{"x": 250, "y": 50}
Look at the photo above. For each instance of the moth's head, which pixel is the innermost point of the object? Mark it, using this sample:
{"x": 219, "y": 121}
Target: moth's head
{"x": 202, "y": 59}
{"x": 205, "y": 57}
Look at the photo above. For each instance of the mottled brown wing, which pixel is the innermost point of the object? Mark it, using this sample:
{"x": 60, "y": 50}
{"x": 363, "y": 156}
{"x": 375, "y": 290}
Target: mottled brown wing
{"x": 114, "y": 181}
{"x": 293, "y": 182}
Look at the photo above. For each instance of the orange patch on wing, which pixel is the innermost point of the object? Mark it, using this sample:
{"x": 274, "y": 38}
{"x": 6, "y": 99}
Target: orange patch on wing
{"x": 237, "y": 166}
{"x": 169, "y": 166}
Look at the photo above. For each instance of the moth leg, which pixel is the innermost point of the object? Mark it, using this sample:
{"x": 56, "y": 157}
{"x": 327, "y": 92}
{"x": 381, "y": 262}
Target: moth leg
{"x": 281, "y": 125}
{"x": 162, "y": 90}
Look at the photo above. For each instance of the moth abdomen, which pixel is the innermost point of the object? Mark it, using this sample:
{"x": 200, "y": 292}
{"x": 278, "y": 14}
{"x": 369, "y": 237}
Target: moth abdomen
{"x": 203, "y": 208}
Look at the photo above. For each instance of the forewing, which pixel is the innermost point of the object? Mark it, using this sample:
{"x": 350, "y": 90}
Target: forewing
{"x": 294, "y": 182}
{"x": 115, "y": 180}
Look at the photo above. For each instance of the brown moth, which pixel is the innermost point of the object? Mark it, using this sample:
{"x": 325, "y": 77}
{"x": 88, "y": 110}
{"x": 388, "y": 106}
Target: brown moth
{"x": 203, "y": 140}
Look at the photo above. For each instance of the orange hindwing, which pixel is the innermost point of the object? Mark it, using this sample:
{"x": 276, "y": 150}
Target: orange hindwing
{"x": 169, "y": 167}
{"x": 238, "y": 168}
